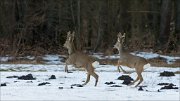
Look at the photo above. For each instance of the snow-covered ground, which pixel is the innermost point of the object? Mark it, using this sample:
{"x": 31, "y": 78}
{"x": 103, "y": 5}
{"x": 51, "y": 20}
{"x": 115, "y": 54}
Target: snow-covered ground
{"x": 27, "y": 90}
{"x": 60, "y": 88}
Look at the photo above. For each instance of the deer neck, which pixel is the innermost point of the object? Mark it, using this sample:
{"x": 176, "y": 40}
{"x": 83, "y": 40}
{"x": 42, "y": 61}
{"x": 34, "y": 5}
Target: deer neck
{"x": 72, "y": 49}
{"x": 120, "y": 51}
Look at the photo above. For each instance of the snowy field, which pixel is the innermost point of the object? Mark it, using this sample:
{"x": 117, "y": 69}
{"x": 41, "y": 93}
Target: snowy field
{"x": 61, "y": 89}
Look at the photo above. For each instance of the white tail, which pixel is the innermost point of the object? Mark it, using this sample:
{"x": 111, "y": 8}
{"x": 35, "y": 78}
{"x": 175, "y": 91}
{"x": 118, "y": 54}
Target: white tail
{"x": 129, "y": 60}
{"x": 146, "y": 66}
{"x": 79, "y": 59}
{"x": 95, "y": 64}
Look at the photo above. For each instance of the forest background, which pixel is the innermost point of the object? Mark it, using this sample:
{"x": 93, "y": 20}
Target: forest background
{"x": 35, "y": 27}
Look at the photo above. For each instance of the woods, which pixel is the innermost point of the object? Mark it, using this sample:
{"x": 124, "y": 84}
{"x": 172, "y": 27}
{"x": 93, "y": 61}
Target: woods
{"x": 40, "y": 26}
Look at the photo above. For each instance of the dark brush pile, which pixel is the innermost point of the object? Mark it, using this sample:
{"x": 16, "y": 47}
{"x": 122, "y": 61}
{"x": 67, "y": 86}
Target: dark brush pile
{"x": 166, "y": 73}
{"x": 3, "y": 84}
{"x": 77, "y": 85}
{"x": 12, "y": 77}
{"x": 27, "y": 77}
{"x": 168, "y": 86}
{"x": 127, "y": 79}
{"x": 126, "y": 82}
{"x": 115, "y": 86}
{"x": 52, "y": 77}
{"x": 109, "y": 83}
{"x": 60, "y": 87}
{"x": 44, "y": 83}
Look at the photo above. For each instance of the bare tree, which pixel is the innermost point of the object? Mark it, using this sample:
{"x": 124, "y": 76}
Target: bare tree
{"x": 177, "y": 26}
{"x": 165, "y": 22}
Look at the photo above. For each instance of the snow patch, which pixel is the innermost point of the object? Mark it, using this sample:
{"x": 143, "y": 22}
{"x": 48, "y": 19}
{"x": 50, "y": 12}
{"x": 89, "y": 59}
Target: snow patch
{"x": 5, "y": 59}
{"x": 29, "y": 90}
{"x": 52, "y": 59}
{"x": 146, "y": 55}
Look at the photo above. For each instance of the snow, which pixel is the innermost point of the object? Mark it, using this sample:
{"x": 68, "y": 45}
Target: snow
{"x": 53, "y": 59}
{"x": 146, "y": 55}
{"x": 169, "y": 59}
{"x": 5, "y": 58}
{"x": 27, "y": 90}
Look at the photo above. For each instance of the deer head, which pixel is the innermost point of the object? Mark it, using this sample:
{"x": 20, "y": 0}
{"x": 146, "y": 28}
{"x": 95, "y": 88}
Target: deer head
{"x": 69, "y": 44}
{"x": 120, "y": 41}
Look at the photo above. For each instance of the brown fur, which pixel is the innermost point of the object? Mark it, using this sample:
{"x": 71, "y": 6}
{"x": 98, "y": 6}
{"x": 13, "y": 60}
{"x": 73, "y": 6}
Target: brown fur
{"x": 129, "y": 60}
{"x": 79, "y": 59}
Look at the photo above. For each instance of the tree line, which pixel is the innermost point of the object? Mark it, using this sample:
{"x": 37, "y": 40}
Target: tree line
{"x": 40, "y": 26}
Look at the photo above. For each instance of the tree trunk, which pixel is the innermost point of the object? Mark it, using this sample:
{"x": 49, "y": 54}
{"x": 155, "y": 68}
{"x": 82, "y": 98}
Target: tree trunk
{"x": 101, "y": 24}
{"x": 78, "y": 34}
{"x": 177, "y": 22}
{"x": 165, "y": 23}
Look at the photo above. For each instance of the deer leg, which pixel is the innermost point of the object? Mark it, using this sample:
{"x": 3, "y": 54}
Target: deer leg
{"x": 118, "y": 68}
{"x": 87, "y": 80}
{"x": 96, "y": 77}
{"x": 122, "y": 70}
{"x": 139, "y": 71}
{"x": 66, "y": 68}
{"x": 141, "y": 79}
{"x": 90, "y": 70}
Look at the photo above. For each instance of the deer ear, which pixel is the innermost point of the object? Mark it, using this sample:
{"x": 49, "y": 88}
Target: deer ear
{"x": 119, "y": 34}
{"x": 124, "y": 35}
{"x": 73, "y": 33}
{"x": 68, "y": 33}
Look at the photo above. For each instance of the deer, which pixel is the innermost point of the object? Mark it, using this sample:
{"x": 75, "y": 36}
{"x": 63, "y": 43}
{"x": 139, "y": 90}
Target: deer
{"x": 79, "y": 59}
{"x": 129, "y": 60}
{"x": 109, "y": 51}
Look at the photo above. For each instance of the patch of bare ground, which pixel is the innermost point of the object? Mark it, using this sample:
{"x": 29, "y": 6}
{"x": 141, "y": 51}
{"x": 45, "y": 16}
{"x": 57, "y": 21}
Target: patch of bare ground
{"x": 37, "y": 60}
{"x": 161, "y": 62}
{"x": 157, "y": 62}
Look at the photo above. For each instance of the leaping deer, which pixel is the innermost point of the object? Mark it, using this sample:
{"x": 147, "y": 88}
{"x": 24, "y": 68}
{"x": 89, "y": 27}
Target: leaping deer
{"x": 129, "y": 60}
{"x": 79, "y": 59}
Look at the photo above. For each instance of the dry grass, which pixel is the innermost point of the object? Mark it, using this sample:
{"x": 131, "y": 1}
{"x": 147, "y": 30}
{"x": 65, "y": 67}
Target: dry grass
{"x": 160, "y": 62}
{"x": 25, "y": 61}
{"x": 157, "y": 62}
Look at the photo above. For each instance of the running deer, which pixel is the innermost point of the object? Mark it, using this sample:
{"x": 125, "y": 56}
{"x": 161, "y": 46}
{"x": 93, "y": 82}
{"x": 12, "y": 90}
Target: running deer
{"x": 129, "y": 60}
{"x": 108, "y": 53}
{"x": 79, "y": 59}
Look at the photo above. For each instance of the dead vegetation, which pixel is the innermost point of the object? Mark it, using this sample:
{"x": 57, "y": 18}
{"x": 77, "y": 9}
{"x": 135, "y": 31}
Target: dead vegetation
{"x": 157, "y": 62}
{"x": 161, "y": 62}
